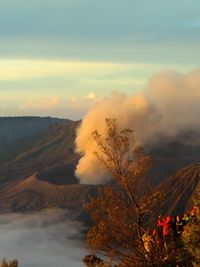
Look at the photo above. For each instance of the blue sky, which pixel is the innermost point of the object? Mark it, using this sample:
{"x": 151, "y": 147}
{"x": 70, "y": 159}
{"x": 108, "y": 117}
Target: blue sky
{"x": 58, "y": 57}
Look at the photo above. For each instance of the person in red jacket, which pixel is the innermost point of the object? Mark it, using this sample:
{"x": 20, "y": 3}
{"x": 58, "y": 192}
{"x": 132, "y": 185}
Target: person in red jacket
{"x": 166, "y": 224}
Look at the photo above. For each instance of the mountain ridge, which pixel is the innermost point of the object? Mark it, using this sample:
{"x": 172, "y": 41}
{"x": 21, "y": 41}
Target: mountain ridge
{"x": 48, "y": 158}
{"x": 52, "y": 147}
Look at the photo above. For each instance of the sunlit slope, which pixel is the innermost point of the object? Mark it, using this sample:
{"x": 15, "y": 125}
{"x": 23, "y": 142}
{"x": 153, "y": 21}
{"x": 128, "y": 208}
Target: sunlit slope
{"x": 179, "y": 189}
{"x": 37, "y": 192}
{"x": 33, "y": 194}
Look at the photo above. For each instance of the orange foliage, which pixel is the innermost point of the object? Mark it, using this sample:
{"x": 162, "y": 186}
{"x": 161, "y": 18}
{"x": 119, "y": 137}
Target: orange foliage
{"x": 121, "y": 210}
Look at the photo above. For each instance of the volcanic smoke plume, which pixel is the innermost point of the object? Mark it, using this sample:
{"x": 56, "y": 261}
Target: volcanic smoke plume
{"x": 169, "y": 106}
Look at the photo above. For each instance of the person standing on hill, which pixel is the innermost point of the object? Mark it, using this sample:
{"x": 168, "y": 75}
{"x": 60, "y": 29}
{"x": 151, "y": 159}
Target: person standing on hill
{"x": 179, "y": 226}
{"x": 186, "y": 218}
{"x": 148, "y": 241}
{"x": 166, "y": 225}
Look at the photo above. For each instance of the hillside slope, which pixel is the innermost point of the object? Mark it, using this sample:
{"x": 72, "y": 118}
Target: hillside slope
{"x": 37, "y": 192}
{"x": 17, "y": 133}
{"x": 33, "y": 194}
{"x": 179, "y": 189}
{"x": 50, "y": 148}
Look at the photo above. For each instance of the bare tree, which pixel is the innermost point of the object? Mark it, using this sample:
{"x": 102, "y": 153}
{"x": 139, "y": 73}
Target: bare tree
{"x": 122, "y": 210}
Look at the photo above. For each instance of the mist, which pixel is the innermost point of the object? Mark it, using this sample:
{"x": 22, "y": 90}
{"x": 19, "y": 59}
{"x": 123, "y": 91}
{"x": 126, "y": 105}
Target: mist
{"x": 168, "y": 107}
{"x": 42, "y": 239}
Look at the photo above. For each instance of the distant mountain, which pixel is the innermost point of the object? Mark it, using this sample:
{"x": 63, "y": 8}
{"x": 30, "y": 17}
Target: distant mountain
{"x": 16, "y": 128}
{"x": 52, "y": 145}
{"x": 37, "y": 164}
{"x": 17, "y": 134}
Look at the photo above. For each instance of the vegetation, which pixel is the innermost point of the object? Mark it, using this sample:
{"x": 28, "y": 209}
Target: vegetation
{"x": 121, "y": 212}
{"x": 191, "y": 235}
{"x": 125, "y": 211}
{"x": 92, "y": 260}
{"x": 5, "y": 263}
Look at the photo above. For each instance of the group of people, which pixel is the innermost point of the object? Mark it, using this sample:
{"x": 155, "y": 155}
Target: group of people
{"x": 169, "y": 229}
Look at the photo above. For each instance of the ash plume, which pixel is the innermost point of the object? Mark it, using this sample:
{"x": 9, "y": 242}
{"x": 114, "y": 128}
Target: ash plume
{"x": 168, "y": 107}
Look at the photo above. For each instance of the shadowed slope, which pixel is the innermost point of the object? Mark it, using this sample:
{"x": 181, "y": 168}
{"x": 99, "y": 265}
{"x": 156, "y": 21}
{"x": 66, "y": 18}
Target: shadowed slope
{"x": 49, "y": 149}
{"x": 17, "y": 134}
{"x": 171, "y": 156}
{"x": 59, "y": 175}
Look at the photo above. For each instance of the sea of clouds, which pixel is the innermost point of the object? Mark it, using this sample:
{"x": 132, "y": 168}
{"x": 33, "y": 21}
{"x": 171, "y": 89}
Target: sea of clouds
{"x": 42, "y": 239}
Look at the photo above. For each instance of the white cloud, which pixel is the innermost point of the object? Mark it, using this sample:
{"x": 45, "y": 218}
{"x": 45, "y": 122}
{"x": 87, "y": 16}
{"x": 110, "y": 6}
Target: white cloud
{"x": 68, "y": 107}
{"x": 91, "y": 96}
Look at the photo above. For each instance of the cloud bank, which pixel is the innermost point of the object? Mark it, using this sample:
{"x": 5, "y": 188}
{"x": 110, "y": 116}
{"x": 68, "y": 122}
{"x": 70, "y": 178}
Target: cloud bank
{"x": 71, "y": 108}
{"x": 42, "y": 239}
{"x": 168, "y": 107}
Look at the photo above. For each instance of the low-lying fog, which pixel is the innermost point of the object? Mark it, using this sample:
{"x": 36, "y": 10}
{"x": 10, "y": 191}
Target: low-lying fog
{"x": 41, "y": 239}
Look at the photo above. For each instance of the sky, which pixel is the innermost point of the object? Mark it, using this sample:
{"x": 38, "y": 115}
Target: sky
{"x": 60, "y": 57}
